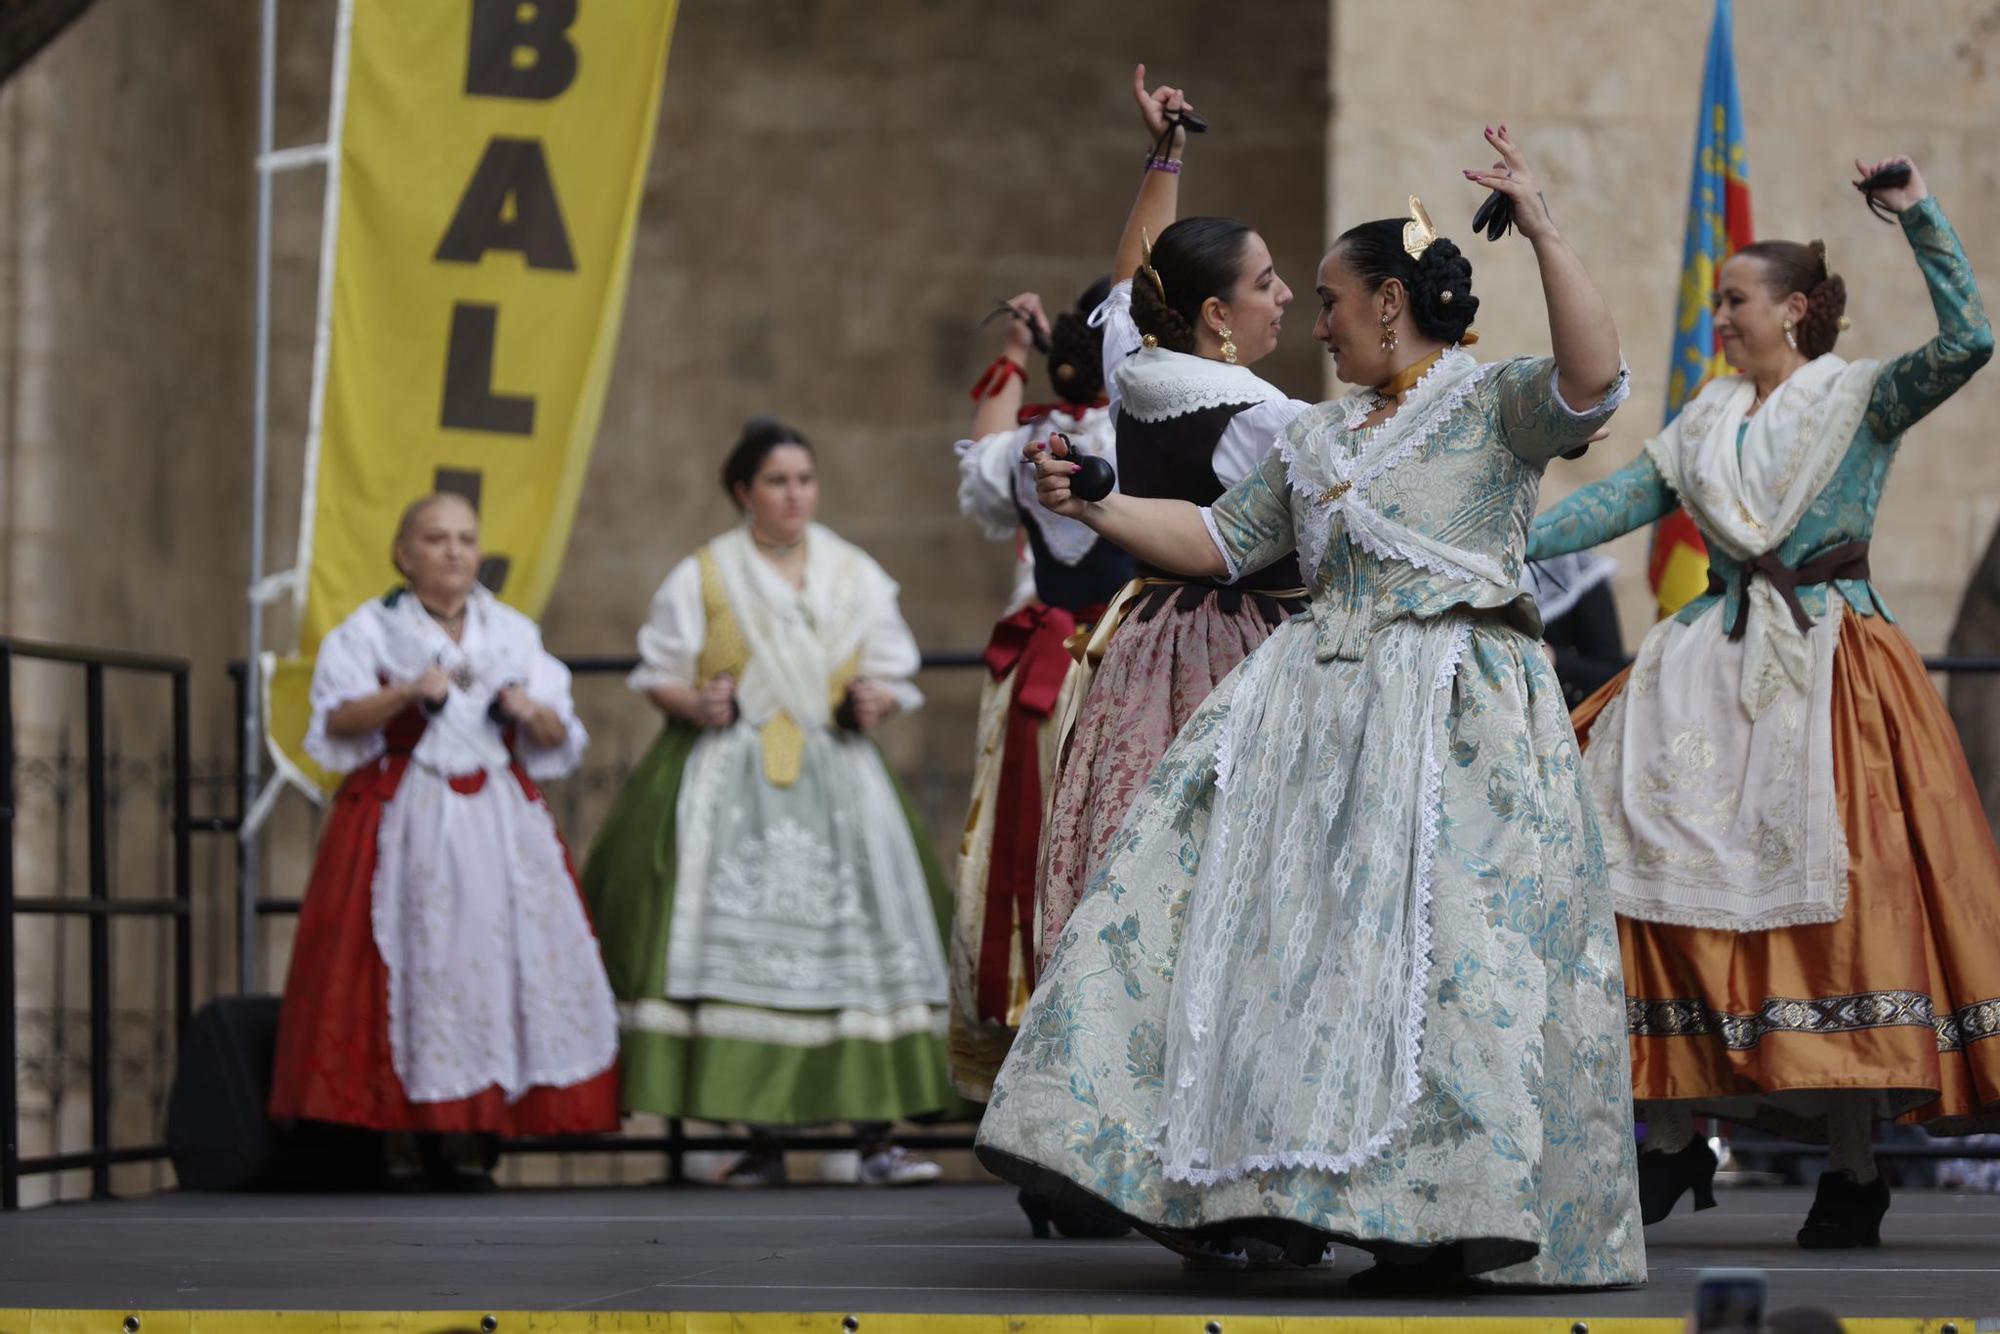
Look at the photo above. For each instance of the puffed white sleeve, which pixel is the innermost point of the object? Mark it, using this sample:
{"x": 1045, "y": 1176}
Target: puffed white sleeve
{"x": 889, "y": 655}
{"x": 549, "y": 686}
{"x": 670, "y": 640}
{"x": 1250, "y": 435}
{"x": 986, "y": 468}
{"x": 1121, "y": 336}
{"x": 347, "y": 668}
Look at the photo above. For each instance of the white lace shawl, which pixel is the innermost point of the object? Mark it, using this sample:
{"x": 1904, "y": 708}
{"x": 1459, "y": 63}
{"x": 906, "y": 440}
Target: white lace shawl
{"x": 1330, "y": 466}
{"x": 1712, "y": 772}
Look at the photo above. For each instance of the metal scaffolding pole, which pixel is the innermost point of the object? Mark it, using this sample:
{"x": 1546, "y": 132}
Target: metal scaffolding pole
{"x": 249, "y": 843}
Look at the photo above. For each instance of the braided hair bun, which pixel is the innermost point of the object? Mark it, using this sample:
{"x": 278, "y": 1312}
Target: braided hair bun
{"x": 1156, "y": 319}
{"x": 1076, "y": 351}
{"x": 1441, "y": 299}
{"x": 1826, "y": 304}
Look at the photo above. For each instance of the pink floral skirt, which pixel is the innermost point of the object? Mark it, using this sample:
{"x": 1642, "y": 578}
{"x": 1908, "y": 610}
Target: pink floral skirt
{"x": 1175, "y": 646}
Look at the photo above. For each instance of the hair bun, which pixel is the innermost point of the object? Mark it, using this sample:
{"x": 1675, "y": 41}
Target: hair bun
{"x": 1826, "y": 308}
{"x": 1076, "y": 359}
{"x": 1441, "y": 299}
{"x": 1154, "y": 316}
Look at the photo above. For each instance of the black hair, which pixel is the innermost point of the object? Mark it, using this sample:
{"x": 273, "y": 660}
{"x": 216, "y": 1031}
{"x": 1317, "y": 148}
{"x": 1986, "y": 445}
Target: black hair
{"x": 1196, "y": 258}
{"x": 1790, "y": 267}
{"x": 1076, "y": 351}
{"x": 1374, "y": 251}
{"x": 761, "y": 434}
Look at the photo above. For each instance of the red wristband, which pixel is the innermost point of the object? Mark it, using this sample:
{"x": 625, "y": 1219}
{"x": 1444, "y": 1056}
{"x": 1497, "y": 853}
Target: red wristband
{"x": 995, "y": 378}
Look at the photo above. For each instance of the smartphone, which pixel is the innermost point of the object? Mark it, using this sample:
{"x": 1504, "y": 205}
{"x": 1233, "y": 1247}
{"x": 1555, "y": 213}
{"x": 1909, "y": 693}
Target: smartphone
{"x": 1729, "y": 1301}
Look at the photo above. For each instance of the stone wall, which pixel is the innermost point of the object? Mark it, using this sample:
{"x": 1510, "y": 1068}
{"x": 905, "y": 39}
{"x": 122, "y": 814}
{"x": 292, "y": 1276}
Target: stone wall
{"x": 1604, "y": 98}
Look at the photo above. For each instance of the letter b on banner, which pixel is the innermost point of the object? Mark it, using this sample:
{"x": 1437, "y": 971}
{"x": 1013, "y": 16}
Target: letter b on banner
{"x": 515, "y": 56}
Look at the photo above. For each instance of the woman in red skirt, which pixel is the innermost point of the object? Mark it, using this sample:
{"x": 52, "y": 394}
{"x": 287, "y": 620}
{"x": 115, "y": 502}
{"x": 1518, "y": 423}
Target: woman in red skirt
{"x": 445, "y": 980}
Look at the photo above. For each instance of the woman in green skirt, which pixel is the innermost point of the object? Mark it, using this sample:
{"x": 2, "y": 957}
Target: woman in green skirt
{"x": 772, "y": 918}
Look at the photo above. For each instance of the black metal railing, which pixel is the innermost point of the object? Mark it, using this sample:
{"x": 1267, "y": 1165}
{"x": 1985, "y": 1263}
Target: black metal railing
{"x": 98, "y": 908}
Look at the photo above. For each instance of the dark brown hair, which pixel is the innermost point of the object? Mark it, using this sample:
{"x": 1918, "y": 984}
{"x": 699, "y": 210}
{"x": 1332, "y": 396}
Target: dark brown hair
{"x": 1374, "y": 251}
{"x": 761, "y": 435}
{"x": 1076, "y": 351}
{"x": 1196, "y": 258}
{"x": 1790, "y": 267}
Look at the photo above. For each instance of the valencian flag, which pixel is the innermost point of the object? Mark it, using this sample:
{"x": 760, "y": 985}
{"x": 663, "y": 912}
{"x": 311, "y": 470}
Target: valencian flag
{"x": 1718, "y": 225}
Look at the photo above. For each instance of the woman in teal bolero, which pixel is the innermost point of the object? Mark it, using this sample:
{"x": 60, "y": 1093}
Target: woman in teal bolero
{"x": 1808, "y": 894}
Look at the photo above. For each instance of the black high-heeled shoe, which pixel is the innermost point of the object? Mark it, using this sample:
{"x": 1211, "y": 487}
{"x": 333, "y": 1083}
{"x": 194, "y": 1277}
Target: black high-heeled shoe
{"x": 1665, "y": 1177}
{"x": 1442, "y": 1270}
{"x": 1076, "y": 1224}
{"x": 1845, "y": 1213}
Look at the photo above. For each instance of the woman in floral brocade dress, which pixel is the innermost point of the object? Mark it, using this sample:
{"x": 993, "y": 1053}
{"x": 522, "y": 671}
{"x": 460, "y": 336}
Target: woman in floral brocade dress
{"x": 1348, "y": 972}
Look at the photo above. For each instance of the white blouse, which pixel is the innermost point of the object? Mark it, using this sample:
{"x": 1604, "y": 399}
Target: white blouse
{"x": 676, "y": 625}
{"x": 383, "y": 644}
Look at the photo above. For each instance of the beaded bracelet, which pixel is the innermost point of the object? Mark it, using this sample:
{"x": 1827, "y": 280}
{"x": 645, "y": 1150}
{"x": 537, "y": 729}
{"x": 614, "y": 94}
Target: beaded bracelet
{"x": 1163, "y": 164}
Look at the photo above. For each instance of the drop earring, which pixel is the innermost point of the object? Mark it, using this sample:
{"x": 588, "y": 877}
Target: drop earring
{"x": 1388, "y": 335}
{"x": 1228, "y": 345}
{"x": 1791, "y": 337}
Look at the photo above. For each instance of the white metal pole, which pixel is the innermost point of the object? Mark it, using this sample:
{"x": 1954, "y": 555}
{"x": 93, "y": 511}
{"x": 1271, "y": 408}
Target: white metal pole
{"x": 248, "y": 847}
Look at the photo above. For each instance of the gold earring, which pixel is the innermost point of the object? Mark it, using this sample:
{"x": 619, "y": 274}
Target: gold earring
{"x": 1388, "y": 335}
{"x": 1228, "y": 345}
{"x": 1791, "y": 338}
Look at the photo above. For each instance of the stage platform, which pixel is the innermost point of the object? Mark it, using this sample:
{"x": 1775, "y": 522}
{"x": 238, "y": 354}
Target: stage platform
{"x": 906, "y": 1257}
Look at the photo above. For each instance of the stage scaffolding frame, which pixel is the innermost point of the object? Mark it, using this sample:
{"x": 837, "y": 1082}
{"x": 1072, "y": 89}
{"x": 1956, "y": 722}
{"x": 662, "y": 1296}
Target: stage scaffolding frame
{"x": 257, "y": 791}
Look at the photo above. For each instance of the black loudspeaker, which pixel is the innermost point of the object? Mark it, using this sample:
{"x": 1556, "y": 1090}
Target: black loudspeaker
{"x": 218, "y": 1132}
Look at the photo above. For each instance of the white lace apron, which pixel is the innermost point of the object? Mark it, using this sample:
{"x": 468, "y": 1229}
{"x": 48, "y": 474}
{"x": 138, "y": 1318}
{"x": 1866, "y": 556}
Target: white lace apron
{"x": 805, "y": 894}
{"x": 494, "y": 976}
{"x": 1320, "y": 856}
{"x": 1712, "y": 771}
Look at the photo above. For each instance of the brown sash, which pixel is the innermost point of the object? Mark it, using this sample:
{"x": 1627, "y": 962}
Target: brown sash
{"x": 1847, "y": 561}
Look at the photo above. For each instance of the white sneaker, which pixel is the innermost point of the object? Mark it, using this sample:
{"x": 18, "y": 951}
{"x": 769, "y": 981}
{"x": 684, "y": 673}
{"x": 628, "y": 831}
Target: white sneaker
{"x": 897, "y": 1167}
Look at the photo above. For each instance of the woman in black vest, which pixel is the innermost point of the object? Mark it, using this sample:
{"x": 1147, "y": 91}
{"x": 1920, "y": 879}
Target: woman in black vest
{"x": 1194, "y": 305}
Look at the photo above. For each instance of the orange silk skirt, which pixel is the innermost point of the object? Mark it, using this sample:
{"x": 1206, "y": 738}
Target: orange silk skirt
{"x": 1901, "y": 996}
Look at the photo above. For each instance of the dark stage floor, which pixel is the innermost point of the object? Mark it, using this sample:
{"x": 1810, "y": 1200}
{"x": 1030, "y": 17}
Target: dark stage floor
{"x": 945, "y": 1249}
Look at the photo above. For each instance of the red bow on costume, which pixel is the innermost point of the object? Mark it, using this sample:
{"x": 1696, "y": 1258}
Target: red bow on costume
{"x": 1034, "y": 412}
{"x": 1030, "y": 644}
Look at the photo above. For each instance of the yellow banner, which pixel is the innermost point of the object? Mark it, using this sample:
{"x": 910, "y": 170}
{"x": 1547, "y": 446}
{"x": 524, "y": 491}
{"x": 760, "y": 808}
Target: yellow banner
{"x": 491, "y": 159}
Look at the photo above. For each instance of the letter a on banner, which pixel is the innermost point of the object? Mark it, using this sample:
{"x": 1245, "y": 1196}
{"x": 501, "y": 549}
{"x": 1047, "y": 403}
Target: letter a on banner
{"x": 489, "y": 161}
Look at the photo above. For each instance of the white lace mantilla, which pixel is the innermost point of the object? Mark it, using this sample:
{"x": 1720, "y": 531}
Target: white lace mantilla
{"x": 1157, "y": 385}
{"x": 1315, "y": 811}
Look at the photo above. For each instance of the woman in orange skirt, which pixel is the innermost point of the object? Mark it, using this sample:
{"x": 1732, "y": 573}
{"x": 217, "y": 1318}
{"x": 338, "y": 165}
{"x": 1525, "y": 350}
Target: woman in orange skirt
{"x": 1808, "y": 892}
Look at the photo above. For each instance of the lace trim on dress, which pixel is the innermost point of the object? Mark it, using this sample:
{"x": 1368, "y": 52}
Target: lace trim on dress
{"x": 1327, "y": 457}
{"x": 1157, "y": 385}
{"x": 777, "y": 1027}
{"x": 1351, "y": 1062}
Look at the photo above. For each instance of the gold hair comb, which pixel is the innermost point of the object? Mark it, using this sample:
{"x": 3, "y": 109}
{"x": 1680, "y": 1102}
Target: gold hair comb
{"x": 1146, "y": 263}
{"x": 1418, "y": 233}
